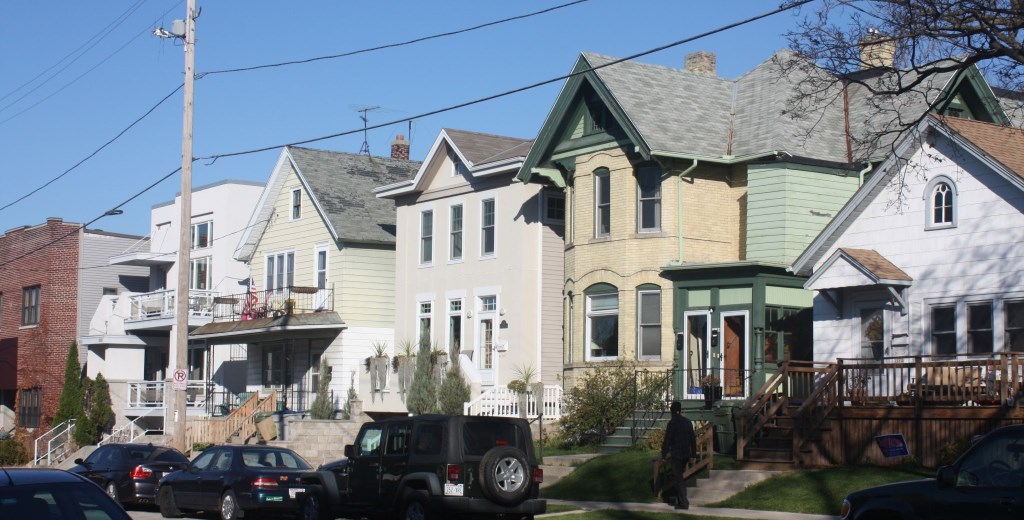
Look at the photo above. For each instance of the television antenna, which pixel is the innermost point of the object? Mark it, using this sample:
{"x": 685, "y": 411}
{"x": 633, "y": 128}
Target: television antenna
{"x": 365, "y": 109}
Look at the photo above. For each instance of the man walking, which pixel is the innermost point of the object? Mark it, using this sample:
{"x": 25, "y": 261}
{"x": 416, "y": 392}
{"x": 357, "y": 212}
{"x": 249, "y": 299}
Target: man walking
{"x": 681, "y": 443}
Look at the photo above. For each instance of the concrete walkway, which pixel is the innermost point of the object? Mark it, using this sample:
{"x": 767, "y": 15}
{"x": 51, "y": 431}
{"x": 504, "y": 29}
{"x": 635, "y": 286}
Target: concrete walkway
{"x": 694, "y": 510}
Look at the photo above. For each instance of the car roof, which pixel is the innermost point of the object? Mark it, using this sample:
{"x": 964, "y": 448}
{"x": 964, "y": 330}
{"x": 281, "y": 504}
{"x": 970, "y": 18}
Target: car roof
{"x": 30, "y": 476}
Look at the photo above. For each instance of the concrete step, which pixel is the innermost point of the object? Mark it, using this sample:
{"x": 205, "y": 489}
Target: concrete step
{"x": 557, "y": 467}
{"x": 722, "y": 484}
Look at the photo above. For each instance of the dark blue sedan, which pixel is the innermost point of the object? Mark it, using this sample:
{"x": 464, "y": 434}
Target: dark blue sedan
{"x": 236, "y": 478}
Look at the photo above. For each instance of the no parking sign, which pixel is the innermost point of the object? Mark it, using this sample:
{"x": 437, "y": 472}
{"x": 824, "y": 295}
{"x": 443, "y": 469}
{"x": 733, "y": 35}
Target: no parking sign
{"x": 179, "y": 379}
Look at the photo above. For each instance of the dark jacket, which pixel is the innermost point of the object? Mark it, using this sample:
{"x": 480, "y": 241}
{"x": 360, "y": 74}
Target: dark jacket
{"x": 680, "y": 440}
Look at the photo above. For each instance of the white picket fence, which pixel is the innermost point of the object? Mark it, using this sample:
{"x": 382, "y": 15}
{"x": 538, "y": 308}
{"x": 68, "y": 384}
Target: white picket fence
{"x": 499, "y": 401}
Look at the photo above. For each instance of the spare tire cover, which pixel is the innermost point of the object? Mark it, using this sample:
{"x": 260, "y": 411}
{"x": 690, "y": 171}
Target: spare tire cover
{"x": 505, "y": 475}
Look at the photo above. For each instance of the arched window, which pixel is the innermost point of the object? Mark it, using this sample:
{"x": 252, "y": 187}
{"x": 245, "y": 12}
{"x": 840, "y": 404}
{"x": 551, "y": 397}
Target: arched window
{"x": 602, "y": 322}
{"x": 941, "y": 203}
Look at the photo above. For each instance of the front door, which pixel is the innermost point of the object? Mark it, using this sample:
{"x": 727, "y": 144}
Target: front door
{"x": 734, "y": 354}
{"x": 487, "y": 337}
{"x": 695, "y": 352}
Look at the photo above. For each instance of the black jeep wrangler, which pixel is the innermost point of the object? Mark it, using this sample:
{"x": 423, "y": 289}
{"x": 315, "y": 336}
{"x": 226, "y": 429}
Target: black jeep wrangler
{"x": 432, "y": 466}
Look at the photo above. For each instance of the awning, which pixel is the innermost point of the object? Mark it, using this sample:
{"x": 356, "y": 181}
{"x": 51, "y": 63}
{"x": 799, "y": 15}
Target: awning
{"x": 245, "y": 331}
{"x": 852, "y": 268}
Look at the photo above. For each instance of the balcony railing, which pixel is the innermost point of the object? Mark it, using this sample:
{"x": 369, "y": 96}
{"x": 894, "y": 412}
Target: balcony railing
{"x": 150, "y": 395}
{"x": 162, "y": 304}
{"x": 272, "y": 303}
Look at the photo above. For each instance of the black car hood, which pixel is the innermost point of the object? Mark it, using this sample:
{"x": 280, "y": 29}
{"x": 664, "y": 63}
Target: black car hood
{"x": 910, "y": 487}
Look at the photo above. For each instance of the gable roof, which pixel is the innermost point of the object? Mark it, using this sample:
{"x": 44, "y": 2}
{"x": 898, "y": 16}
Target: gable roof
{"x": 483, "y": 154}
{"x": 998, "y": 147}
{"x": 340, "y": 186}
{"x": 672, "y": 112}
{"x": 879, "y": 266}
{"x": 858, "y": 267}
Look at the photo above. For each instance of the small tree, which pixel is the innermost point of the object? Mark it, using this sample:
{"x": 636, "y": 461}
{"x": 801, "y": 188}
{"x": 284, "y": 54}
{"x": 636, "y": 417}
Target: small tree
{"x": 12, "y": 451}
{"x": 604, "y": 397}
{"x": 70, "y": 406}
{"x": 323, "y": 405}
{"x": 97, "y": 414}
{"x": 454, "y": 391}
{"x": 423, "y": 391}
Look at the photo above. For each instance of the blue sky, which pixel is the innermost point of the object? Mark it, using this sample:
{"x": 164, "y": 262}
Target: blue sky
{"x": 89, "y": 101}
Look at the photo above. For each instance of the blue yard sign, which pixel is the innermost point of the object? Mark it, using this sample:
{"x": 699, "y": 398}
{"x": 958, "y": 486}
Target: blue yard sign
{"x": 892, "y": 445}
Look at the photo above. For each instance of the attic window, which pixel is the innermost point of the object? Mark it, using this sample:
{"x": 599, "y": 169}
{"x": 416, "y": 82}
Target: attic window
{"x": 596, "y": 118}
{"x": 940, "y": 197}
{"x": 458, "y": 167}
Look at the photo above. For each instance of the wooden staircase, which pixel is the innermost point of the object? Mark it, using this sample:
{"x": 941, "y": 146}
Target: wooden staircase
{"x": 240, "y": 423}
{"x": 788, "y": 415}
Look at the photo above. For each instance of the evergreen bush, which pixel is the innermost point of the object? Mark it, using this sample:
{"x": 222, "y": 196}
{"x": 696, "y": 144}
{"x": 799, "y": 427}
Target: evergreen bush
{"x": 454, "y": 392}
{"x": 70, "y": 406}
{"x": 12, "y": 451}
{"x": 323, "y": 406}
{"x": 423, "y": 391}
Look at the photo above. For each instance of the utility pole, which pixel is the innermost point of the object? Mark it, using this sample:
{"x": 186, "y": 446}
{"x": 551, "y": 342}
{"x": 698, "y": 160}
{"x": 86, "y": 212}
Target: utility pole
{"x": 179, "y": 358}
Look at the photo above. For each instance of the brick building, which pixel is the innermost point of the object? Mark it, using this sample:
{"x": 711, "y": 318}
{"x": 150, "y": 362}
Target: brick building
{"x": 52, "y": 275}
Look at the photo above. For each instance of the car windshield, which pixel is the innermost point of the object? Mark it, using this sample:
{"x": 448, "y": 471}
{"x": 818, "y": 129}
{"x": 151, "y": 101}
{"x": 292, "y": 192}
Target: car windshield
{"x": 480, "y": 436}
{"x": 272, "y": 459}
{"x": 169, "y": 456}
{"x": 140, "y": 453}
{"x": 58, "y": 501}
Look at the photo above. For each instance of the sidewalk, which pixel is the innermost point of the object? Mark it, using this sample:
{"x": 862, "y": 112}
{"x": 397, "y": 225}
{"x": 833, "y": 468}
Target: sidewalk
{"x": 694, "y": 510}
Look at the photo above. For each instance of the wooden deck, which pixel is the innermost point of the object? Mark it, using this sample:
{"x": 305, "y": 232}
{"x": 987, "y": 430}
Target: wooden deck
{"x": 819, "y": 414}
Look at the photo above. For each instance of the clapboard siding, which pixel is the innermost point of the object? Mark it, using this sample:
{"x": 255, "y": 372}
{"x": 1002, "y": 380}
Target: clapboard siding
{"x": 95, "y": 274}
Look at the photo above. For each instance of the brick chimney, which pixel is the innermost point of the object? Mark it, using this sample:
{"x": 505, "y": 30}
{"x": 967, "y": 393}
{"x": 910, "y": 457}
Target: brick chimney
{"x": 701, "y": 62}
{"x": 876, "y": 51}
{"x": 400, "y": 148}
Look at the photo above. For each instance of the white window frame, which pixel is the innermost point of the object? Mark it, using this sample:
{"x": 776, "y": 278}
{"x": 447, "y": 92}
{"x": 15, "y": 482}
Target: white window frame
{"x": 461, "y": 239}
{"x": 193, "y": 277}
{"x": 640, "y": 325}
{"x": 317, "y": 269}
{"x": 424, "y": 310}
{"x": 195, "y": 235}
{"x": 598, "y": 204}
{"x": 271, "y": 278}
{"x": 487, "y": 312}
{"x": 929, "y": 203}
{"x": 484, "y": 227}
{"x": 641, "y": 200}
{"x": 31, "y": 312}
{"x": 295, "y": 208}
{"x": 426, "y": 241}
{"x": 596, "y": 314}
{"x": 458, "y": 314}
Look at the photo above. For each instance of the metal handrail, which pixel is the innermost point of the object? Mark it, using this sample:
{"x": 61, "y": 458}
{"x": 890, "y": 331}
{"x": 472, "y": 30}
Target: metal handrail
{"x": 63, "y": 435}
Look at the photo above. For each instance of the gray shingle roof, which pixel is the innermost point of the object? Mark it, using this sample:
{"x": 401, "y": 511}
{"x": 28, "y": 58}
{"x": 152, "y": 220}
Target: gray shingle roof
{"x": 342, "y": 184}
{"x": 679, "y": 111}
{"x": 479, "y": 148}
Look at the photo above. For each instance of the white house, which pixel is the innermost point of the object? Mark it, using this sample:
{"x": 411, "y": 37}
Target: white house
{"x": 926, "y": 258}
{"x": 131, "y": 335}
{"x": 479, "y": 260}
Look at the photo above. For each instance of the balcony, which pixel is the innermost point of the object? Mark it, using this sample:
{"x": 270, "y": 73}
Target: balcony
{"x": 148, "y": 397}
{"x": 157, "y": 309}
{"x": 275, "y": 314}
{"x": 273, "y": 303}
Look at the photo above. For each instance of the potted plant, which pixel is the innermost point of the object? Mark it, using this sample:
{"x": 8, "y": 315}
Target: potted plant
{"x": 377, "y": 364}
{"x": 711, "y": 385}
{"x": 857, "y": 388}
{"x": 404, "y": 364}
{"x": 521, "y": 386}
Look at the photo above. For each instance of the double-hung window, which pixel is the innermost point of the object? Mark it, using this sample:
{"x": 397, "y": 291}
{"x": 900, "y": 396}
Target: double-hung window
{"x": 426, "y": 237}
{"x": 648, "y": 204}
{"x": 979, "y": 327}
{"x": 280, "y": 270}
{"x": 455, "y": 233}
{"x": 944, "y": 330}
{"x": 30, "y": 305}
{"x": 29, "y": 400}
{"x": 649, "y": 322}
{"x": 487, "y": 230}
{"x": 199, "y": 273}
{"x": 602, "y": 203}
{"x": 296, "y": 204}
{"x": 202, "y": 235}
{"x": 602, "y": 323}
{"x": 321, "y": 268}
{"x": 1013, "y": 317}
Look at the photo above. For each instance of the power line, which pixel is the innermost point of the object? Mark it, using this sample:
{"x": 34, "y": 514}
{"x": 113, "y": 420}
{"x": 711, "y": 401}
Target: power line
{"x": 77, "y": 78}
{"x": 98, "y": 37}
{"x": 705, "y": 34}
{"x": 91, "y": 155}
{"x": 506, "y": 93}
{"x": 398, "y": 44}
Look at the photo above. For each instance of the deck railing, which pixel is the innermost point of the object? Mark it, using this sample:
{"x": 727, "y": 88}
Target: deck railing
{"x": 500, "y": 401}
{"x": 272, "y": 303}
{"x": 152, "y": 394}
{"x": 161, "y": 304}
{"x": 241, "y": 422}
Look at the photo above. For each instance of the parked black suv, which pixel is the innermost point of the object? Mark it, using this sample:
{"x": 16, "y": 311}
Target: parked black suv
{"x": 986, "y": 482}
{"x": 431, "y": 466}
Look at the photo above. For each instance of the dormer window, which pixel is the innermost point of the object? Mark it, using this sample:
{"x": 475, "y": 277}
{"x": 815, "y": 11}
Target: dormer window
{"x": 459, "y": 168}
{"x": 941, "y": 200}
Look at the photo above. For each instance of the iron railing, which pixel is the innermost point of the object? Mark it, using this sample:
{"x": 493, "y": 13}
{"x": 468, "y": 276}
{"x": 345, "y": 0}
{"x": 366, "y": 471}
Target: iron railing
{"x": 55, "y": 444}
{"x": 272, "y": 303}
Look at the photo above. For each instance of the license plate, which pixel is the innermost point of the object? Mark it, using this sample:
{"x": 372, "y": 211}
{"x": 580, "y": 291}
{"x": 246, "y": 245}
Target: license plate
{"x": 273, "y": 498}
{"x": 294, "y": 492}
{"x": 453, "y": 490}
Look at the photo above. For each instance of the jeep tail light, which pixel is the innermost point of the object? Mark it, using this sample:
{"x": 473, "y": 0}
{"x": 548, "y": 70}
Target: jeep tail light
{"x": 141, "y": 472}
{"x": 454, "y": 473}
{"x": 538, "y": 475}
{"x": 264, "y": 482}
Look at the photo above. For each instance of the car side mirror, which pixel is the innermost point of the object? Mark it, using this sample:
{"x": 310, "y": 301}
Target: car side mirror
{"x": 80, "y": 462}
{"x": 946, "y": 476}
{"x": 349, "y": 451}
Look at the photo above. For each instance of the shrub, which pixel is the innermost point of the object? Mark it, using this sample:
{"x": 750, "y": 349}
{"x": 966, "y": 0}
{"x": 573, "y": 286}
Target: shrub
{"x": 423, "y": 391}
{"x": 97, "y": 415}
{"x": 323, "y": 406}
{"x": 70, "y": 406}
{"x": 454, "y": 390}
{"x": 603, "y": 398}
{"x": 12, "y": 452}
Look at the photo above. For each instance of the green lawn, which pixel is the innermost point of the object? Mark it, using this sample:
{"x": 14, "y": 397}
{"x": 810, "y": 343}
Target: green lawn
{"x": 817, "y": 491}
{"x": 626, "y": 477}
{"x": 637, "y": 515}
